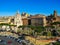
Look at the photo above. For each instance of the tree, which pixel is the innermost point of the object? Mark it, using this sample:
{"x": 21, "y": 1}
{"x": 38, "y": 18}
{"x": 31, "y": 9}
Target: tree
{"x": 31, "y": 26}
{"x": 32, "y": 29}
{"x": 54, "y": 33}
{"x": 4, "y": 24}
{"x": 1, "y": 26}
{"x": 55, "y": 23}
{"x": 23, "y": 26}
{"x": 49, "y": 34}
{"x": 39, "y": 29}
{"x": 54, "y": 43}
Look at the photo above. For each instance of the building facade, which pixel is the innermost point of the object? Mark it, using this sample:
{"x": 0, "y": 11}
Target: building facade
{"x": 38, "y": 20}
{"x": 52, "y": 18}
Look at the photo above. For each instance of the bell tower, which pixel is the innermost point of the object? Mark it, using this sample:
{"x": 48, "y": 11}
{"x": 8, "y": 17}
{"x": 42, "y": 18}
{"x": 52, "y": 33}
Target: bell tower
{"x": 55, "y": 14}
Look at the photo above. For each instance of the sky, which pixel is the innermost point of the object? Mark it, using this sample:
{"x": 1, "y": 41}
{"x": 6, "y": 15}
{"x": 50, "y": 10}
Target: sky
{"x": 46, "y": 7}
